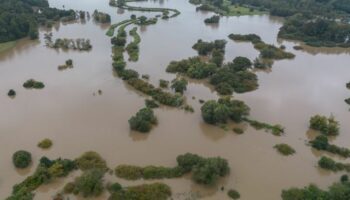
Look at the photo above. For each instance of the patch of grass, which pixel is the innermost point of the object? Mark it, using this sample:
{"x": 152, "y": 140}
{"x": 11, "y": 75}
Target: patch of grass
{"x": 7, "y": 45}
{"x": 284, "y": 149}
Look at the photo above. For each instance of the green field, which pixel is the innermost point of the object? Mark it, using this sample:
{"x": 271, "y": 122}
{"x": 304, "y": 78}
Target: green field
{"x": 7, "y": 45}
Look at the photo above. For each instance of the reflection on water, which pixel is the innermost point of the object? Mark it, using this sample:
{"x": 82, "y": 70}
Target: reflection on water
{"x": 67, "y": 112}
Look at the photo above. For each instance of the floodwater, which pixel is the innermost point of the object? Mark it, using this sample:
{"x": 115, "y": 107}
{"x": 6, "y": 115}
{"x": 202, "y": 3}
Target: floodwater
{"x": 70, "y": 111}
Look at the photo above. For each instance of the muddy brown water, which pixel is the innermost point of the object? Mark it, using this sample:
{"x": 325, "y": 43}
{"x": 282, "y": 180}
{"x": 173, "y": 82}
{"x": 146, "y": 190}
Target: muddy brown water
{"x": 68, "y": 112}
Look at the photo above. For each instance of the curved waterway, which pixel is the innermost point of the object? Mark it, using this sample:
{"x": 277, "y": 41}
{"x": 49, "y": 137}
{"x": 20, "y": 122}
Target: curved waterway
{"x": 70, "y": 111}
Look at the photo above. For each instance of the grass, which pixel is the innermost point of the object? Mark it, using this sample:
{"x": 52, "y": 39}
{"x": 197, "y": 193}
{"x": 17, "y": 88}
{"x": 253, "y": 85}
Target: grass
{"x": 7, "y": 45}
{"x": 241, "y": 10}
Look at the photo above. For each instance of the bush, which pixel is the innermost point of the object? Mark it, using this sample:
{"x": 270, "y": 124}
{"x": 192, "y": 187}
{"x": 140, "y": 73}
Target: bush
{"x": 90, "y": 183}
{"x": 179, "y": 85}
{"x": 284, "y": 149}
{"x": 128, "y": 172}
{"x": 151, "y": 103}
{"x": 210, "y": 170}
{"x": 11, "y": 93}
{"x": 45, "y": 144}
{"x": 327, "y": 126}
{"x": 348, "y": 85}
{"x": 204, "y": 48}
{"x": 31, "y": 83}
{"x": 321, "y": 143}
{"x": 233, "y": 194}
{"x": 91, "y": 160}
{"x": 347, "y": 101}
{"x": 69, "y": 62}
{"x": 240, "y": 64}
{"x": 143, "y": 120}
{"x": 101, "y": 17}
{"x": 330, "y": 164}
{"x": 21, "y": 159}
{"x": 158, "y": 191}
{"x": 212, "y": 20}
{"x": 163, "y": 83}
{"x": 115, "y": 187}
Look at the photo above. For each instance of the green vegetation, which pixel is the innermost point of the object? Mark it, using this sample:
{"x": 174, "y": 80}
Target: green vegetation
{"x": 192, "y": 67}
{"x": 154, "y": 191}
{"x": 22, "y": 159}
{"x": 89, "y": 184}
{"x": 101, "y": 17}
{"x": 179, "y": 85}
{"x": 316, "y": 32}
{"x": 205, "y": 48}
{"x": 274, "y": 129}
{"x": 91, "y": 160}
{"x": 215, "y": 112}
{"x": 18, "y": 19}
{"x": 144, "y": 21}
{"x": 133, "y": 47}
{"x": 321, "y": 143}
{"x": 46, "y": 172}
{"x": 327, "y": 126}
{"x": 238, "y": 130}
{"x": 204, "y": 170}
{"x": 7, "y": 45}
{"x": 111, "y": 29}
{"x": 330, "y": 164}
{"x": 79, "y": 44}
{"x": 143, "y": 120}
{"x": 11, "y": 93}
{"x": 337, "y": 191}
{"x": 68, "y": 64}
{"x": 33, "y": 84}
{"x": 267, "y": 51}
{"x": 150, "y": 103}
{"x": 347, "y": 101}
{"x": 212, "y": 20}
{"x": 163, "y": 83}
{"x": 284, "y": 149}
{"x": 348, "y": 85}
{"x": 45, "y": 143}
{"x": 233, "y": 194}
{"x": 114, "y": 187}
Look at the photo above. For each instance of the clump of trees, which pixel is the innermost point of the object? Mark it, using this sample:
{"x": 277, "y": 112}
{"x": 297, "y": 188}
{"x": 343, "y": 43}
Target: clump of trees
{"x": 330, "y": 164}
{"x": 321, "y": 143}
{"x": 45, "y": 143}
{"x": 215, "y": 112}
{"x": 204, "y": 170}
{"x": 101, "y": 17}
{"x": 21, "y": 159}
{"x": 327, "y": 126}
{"x": 163, "y": 83}
{"x": 133, "y": 47}
{"x": 143, "y": 121}
{"x": 192, "y": 67}
{"x": 47, "y": 171}
{"x": 205, "y": 48}
{"x": 33, "y": 84}
{"x": 339, "y": 190}
{"x": 212, "y": 20}
{"x": 80, "y": 44}
{"x": 267, "y": 51}
{"x": 91, "y": 160}
{"x": 89, "y": 184}
{"x": 159, "y": 191}
{"x": 316, "y": 32}
{"x": 11, "y": 93}
{"x": 179, "y": 85}
{"x": 143, "y": 20}
{"x": 284, "y": 149}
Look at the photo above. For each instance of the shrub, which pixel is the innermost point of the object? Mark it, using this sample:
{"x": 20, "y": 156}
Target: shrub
{"x": 143, "y": 120}
{"x": 101, "y": 17}
{"x": 179, "y": 85}
{"x": 90, "y": 183}
{"x": 188, "y": 161}
{"x": 11, "y": 93}
{"x": 91, "y": 160}
{"x": 151, "y": 103}
{"x": 233, "y": 194}
{"x": 31, "y": 83}
{"x": 240, "y": 64}
{"x": 284, "y": 149}
{"x": 210, "y": 170}
{"x": 163, "y": 83}
{"x": 212, "y": 20}
{"x": 21, "y": 159}
{"x": 69, "y": 62}
{"x": 128, "y": 172}
{"x": 348, "y": 85}
{"x": 114, "y": 187}
{"x": 344, "y": 178}
{"x": 45, "y": 144}
{"x": 321, "y": 143}
{"x": 347, "y": 101}
{"x": 327, "y": 126}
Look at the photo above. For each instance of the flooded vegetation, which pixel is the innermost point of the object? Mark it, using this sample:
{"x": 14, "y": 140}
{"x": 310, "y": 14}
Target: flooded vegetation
{"x": 204, "y": 92}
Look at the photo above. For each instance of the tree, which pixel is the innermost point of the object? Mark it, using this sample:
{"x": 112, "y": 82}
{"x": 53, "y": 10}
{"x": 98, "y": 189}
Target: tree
{"x": 143, "y": 120}
{"x": 90, "y": 183}
{"x": 21, "y": 159}
{"x": 179, "y": 85}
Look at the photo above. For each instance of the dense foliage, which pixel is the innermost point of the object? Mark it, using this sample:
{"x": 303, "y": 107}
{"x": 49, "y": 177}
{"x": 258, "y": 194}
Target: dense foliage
{"x": 284, "y": 149}
{"x": 133, "y": 47}
{"x": 205, "y": 48}
{"x": 330, "y": 164}
{"x": 221, "y": 111}
{"x": 21, "y": 18}
{"x": 321, "y": 143}
{"x": 101, "y": 17}
{"x": 91, "y": 160}
{"x": 31, "y": 83}
{"x": 143, "y": 120}
{"x": 179, "y": 85}
{"x": 89, "y": 184}
{"x": 21, "y": 159}
{"x": 327, "y": 126}
{"x": 212, "y": 20}
{"x": 11, "y": 93}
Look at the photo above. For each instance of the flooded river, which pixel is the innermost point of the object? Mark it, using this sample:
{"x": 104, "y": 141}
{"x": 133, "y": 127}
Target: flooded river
{"x": 70, "y": 111}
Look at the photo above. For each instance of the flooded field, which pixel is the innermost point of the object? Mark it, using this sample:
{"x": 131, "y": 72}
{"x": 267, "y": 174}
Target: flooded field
{"x": 70, "y": 111}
